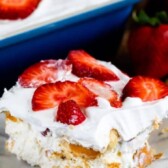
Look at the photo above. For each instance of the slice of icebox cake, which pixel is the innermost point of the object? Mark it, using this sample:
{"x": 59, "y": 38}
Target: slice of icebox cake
{"x": 83, "y": 113}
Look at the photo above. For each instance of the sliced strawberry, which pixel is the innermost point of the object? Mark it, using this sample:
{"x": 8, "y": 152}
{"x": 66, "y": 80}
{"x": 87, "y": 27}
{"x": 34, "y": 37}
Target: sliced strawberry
{"x": 84, "y": 65}
{"x": 146, "y": 88}
{"x": 50, "y": 95}
{"x": 70, "y": 113}
{"x": 103, "y": 90}
{"x": 42, "y": 73}
{"x": 15, "y": 9}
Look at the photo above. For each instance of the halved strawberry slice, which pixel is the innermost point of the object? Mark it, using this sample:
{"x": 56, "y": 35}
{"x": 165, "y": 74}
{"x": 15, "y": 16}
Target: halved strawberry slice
{"x": 84, "y": 65}
{"x": 148, "y": 89}
{"x": 70, "y": 113}
{"x": 52, "y": 94}
{"x": 15, "y": 9}
{"x": 42, "y": 73}
{"x": 102, "y": 89}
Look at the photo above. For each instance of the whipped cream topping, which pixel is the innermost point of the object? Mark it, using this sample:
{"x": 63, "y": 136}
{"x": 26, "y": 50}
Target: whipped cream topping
{"x": 50, "y": 11}
{"x": 131, "y": 120}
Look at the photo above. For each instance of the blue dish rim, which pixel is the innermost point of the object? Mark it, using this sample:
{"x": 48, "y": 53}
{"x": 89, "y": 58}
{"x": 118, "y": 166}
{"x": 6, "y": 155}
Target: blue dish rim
{"x": 65, "y": 22}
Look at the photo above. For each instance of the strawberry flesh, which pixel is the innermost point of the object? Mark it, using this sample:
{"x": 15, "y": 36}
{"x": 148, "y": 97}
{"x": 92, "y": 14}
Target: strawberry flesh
{"x": 70, "y": 113}
{"x": 102, "y": 89}
{"x": 84, "y": 65}
{"x": 52, "y": 94}
{"x": 15, "y": 9}
{"x": 42, "y": 73}
{"x": 148, "y": 50}
{"x": 146, "y": 88}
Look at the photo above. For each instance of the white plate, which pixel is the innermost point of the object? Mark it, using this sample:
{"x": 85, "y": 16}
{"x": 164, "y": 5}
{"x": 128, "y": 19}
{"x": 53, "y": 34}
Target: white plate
{"x": 158, "y": 141}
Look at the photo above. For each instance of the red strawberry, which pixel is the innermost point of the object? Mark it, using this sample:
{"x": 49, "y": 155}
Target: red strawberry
{"x": 148, "y": 49}
{"x": 148, "y": 89}
{"x": 50, "y": 95}
{"x": 84, "y": 65}
{"x": 69, "y": 113}
{"x": 103, "y": 90}
{"x": 42, "y": 72}
{"x": 15, "y": 9}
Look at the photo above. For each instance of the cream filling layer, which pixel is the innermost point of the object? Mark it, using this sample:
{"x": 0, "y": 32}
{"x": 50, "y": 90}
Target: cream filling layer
{"x": 130, "y": 120}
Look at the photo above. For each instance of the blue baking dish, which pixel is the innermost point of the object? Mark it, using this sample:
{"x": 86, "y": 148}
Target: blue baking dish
{"x": 98, "y": 31}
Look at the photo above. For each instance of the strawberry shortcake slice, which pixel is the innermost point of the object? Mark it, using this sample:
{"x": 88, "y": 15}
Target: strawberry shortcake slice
{"x": 83, "y": 113}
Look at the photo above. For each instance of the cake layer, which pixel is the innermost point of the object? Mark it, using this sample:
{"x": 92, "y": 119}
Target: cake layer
{"x": 47, "y": 151}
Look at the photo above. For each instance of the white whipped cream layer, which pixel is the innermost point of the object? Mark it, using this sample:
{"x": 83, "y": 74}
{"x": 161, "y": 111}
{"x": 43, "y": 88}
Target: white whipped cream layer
{"x": 131, "y": 120}
{"x": 50, "y": 11}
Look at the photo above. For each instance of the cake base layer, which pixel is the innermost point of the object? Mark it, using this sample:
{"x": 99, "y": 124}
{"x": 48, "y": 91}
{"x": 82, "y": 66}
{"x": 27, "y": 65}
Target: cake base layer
{"x": 43, "y": 150}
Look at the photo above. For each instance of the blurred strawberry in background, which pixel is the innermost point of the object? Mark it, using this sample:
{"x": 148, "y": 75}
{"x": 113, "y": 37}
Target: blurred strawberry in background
{"x": 144, "y": 48}
{"x": 148, "y": 45}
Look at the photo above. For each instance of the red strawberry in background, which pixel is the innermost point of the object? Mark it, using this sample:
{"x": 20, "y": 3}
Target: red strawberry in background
{"x": 15, "y": 9}
{"x": 148, "y": 45}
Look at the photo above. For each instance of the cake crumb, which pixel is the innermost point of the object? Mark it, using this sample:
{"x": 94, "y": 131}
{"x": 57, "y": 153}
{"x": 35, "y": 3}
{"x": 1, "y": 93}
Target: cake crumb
{"x": 156, "y": 124}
